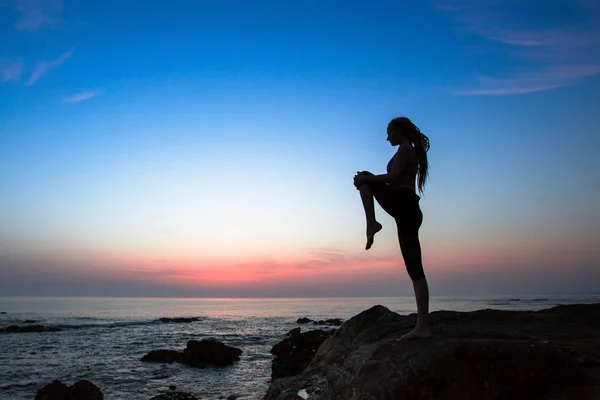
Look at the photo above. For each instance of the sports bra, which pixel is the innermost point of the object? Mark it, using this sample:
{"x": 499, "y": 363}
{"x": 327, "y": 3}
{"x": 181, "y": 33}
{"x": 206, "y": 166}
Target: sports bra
{"x": 410, "y": 169}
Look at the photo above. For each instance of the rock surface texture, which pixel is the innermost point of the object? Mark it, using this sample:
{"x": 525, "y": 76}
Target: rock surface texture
{"x": 488, "y": 354}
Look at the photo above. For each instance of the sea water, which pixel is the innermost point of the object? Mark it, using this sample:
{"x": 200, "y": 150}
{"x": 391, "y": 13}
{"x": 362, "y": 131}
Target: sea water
{"x": 103, "y": 339}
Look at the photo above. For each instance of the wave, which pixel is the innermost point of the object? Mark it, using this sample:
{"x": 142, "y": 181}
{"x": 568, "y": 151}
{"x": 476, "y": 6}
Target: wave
{"x": 100, "y": 325}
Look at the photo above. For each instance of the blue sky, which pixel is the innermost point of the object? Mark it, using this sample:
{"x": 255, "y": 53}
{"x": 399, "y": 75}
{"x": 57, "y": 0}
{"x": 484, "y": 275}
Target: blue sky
{"x": 208, "y": 148}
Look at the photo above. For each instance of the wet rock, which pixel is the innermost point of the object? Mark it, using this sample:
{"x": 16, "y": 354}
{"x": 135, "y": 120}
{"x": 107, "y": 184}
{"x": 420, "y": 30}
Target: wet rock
{"x": 295, "y": 352}
{"x": 174, "y": 396}
{"x": 331, "y": 321}
{"x": 161, "y": 356}
{"x": 29, "y": 329}
{"x": 211, "y": 352}
{"x": 486, "y": 354}
{"x": 178, "y": 320}
{"x": 293, "y": 332}
{"x": 30, "y": 321}
{"x": 2, "y": 312}
{"x": 85, "y": 390}
{"x": 80, "y": 390}
{"x": 54, "y": 391}
{"x": 304, "y": 320}
{"x": 197, "y": 354}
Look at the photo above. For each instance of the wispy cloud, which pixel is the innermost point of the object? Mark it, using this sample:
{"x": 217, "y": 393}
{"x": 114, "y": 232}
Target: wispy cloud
{"x": 10, "y": 70}
{"x": 35, "y": 14}
{"x": 533, "y": 81}
{"x": 76, "y": 98}
{"x": 44, "y": 66}
{"x": 556, "y": 56}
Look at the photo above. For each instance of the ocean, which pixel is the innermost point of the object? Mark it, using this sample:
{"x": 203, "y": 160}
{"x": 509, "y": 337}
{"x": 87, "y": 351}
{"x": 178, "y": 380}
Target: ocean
{"x": 103, "y": 339}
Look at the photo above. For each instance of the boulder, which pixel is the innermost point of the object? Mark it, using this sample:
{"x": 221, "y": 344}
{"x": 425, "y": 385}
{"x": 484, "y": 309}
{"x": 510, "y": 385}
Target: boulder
{"x": 85, "y": 390}
{"x": 209, "y": 351}
{"x": 80, "y": 390}
{"x": 486, "y": 354}
{"x": 54, "y": 391}
{"x": 197, "y": 354}
{"x": 161, "y": 356}
{"x": 295, "y": 352}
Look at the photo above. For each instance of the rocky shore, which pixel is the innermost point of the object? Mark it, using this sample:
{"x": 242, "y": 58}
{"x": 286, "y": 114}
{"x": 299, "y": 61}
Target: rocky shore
{"x": 550, "y": 354}
{"x": 488, "y": 354}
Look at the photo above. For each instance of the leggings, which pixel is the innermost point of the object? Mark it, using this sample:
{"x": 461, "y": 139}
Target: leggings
{"x": 403, "y": 205}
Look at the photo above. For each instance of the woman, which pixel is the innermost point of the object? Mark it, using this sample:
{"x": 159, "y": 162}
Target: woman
{"x": 395, "y": 192}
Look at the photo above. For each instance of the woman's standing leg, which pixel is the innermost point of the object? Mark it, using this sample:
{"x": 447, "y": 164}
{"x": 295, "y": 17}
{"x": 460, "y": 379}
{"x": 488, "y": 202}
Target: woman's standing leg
{"x": 408, "y": 236}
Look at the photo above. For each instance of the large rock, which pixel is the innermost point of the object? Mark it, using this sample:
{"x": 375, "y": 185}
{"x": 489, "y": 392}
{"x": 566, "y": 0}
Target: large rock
{"x": 80, "y": 390}
{"x": 487, "y": 354}
{"x": 295, "y": 352}
{"x": 208, "y": 351}
{"x": 162, "y": 356}
{"x": 197, "y": 354}
{"x": 54, "y": 391}
{"x": 85, "y": 390}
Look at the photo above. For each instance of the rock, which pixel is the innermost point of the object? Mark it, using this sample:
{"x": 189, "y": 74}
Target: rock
{"x": 174, "y": 396}
{"x": 304, "y": 320}
{"x": 161, "y": 356}
{"x": 293, "y": 332}
{"x": 85, "y": 390}
{"x": 54, "y": 391}
{"x": 178, "y": 320}
{"x": 29, "y": 328}
{"x": 486, "y": 354}
{"x": 30, "y": 321}
{"x": 331, "y": 321}
{"x": 211, "y": 352}
{"x": 80, "y": 390}
{"x": 3, "y": 312}
{"x": 294, "y": 353}
{"x": 197, "y": 354}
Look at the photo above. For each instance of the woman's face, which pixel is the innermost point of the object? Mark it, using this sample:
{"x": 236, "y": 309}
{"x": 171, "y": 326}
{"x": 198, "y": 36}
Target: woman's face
{"x": 394, "y": 136}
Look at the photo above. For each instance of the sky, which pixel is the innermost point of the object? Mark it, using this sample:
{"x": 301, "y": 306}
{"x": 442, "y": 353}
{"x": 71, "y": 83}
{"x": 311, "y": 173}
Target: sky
{"x": 207, "y": 148}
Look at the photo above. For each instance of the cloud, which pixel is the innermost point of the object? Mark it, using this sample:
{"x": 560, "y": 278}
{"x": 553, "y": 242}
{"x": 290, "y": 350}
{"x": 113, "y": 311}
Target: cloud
{"x": 10, "y": 70}
{"x": 79, "y": 97}
{"x": 533, "y": 81}
{"x": 35, "y": 14}
{"x": 44, "y": 66}
{"x": 556, "y": 55}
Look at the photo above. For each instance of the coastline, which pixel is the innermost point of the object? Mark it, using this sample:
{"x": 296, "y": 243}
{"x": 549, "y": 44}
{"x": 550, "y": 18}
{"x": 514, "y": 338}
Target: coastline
{"x": 554, "y": 348}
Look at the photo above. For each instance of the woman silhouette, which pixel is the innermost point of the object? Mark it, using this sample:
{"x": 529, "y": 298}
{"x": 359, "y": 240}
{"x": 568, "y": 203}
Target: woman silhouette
{"x": 395, "y": 192}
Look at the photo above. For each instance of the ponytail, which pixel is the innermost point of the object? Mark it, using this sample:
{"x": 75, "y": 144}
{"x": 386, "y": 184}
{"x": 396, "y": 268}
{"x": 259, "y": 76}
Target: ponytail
{"x": 421, "y": 144}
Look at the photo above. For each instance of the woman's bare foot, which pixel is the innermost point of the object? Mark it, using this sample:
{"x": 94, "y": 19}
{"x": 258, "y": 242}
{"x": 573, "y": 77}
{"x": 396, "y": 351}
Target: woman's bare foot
{"x": 372, "y": 229}
{"x": 418, "y": 333}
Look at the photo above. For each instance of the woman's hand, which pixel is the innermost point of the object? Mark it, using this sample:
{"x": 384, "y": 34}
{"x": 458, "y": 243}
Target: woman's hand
{"x": 361, "y": 179}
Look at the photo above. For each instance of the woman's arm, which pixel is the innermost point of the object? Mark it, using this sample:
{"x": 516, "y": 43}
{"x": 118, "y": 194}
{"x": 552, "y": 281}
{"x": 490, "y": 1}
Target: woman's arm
{"x": 397, "y": 167}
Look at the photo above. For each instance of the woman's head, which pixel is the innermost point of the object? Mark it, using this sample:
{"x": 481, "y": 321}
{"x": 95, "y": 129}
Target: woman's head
{"x": 402, "y": 128}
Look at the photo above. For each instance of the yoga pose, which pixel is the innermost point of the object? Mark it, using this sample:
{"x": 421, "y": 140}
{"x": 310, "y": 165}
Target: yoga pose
{"x": 395, "y": 192}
